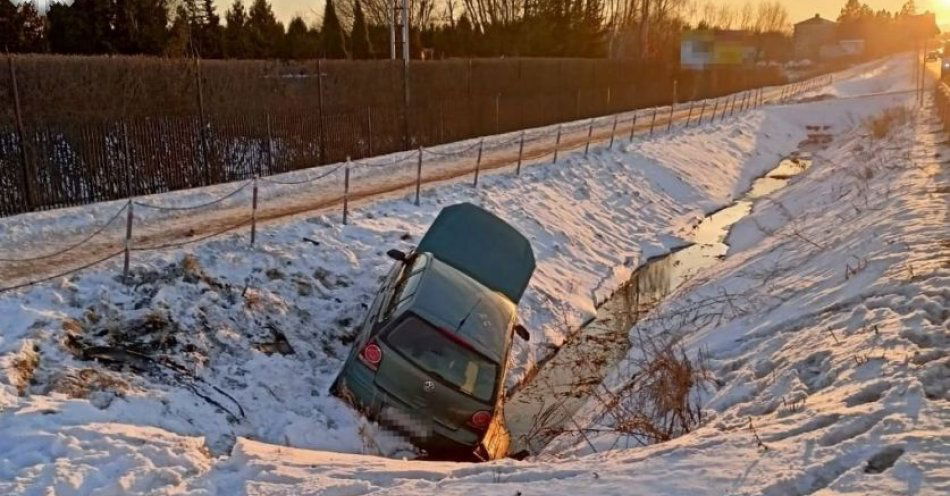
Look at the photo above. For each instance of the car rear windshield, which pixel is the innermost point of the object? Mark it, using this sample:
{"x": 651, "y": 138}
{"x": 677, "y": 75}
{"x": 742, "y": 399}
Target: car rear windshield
{"x": 436, "y": 353}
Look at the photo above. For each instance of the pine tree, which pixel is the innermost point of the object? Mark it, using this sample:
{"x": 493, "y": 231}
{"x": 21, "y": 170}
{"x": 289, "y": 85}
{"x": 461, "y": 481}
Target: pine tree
{"x": 211, "y": 37}
{"x": 299, "y": 43}
{"x": 332, "y": 41}
{"x": 360, "y": 46}
{"x": 141, "y": 26}
{"x": 236, "y": 39}
{"x": 264, "y": 32}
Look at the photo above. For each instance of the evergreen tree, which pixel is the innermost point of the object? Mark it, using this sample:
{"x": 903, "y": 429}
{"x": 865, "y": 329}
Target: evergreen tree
{"x": 360, "y": 46}
{"x": 211, "y": 36}
{"x": 236, "y": 39}
{"x": 180, "y": 35}
{"x": 264, "y": 32}
{"x": 300, "y": 42}
{"x": 9, "y": 26}
{"x": 141, "y": 26}
{"x": 86, "y": 26}
{"x": 332, "y": 41}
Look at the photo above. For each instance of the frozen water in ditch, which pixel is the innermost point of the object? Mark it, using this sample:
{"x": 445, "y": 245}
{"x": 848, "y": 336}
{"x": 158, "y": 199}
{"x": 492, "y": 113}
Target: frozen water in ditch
{"x": 545, "y": 405}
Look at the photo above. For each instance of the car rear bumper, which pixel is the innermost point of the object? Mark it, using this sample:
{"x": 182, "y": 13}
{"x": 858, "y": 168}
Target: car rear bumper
{"x": 356, "y": 385}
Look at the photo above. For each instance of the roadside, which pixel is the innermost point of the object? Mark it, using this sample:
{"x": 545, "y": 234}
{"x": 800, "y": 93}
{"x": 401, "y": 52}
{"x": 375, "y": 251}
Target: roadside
{"x": 269, "y": 326}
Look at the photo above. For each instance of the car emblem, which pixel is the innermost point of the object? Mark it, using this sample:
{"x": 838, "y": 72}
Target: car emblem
{"x": 428, "y": 386}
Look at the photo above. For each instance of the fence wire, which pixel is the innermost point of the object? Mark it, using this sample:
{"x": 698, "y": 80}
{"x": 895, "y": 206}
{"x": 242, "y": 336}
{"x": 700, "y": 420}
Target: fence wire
{"x": 615, "y": 121}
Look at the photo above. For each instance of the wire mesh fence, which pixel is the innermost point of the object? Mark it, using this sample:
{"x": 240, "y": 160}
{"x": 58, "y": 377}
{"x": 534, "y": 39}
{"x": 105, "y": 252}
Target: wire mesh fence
{"x": 76, "y": 130}
{"x": 239, "y": 204}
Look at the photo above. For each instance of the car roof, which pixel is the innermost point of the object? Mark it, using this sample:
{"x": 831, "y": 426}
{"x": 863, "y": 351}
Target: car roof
{"x": 456, "y": 303}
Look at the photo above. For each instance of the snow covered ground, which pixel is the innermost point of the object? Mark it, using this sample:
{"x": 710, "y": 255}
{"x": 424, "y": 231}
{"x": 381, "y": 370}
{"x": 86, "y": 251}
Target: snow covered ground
{"x": 835, "y": 345}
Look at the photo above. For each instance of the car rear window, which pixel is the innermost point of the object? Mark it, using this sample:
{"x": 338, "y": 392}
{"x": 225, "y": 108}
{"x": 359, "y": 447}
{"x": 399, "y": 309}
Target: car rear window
{"x": 433, "y": 351}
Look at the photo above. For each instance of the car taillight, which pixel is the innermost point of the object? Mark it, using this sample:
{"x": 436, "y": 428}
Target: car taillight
{"x": 480, "y": 419}
{"x": 371, "y": 355}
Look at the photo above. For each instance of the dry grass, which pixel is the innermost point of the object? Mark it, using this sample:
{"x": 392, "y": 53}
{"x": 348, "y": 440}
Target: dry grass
{"x": 881, "y": 125}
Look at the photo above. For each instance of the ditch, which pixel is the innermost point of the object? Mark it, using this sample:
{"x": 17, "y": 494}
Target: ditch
{"x": 545, "y": 406}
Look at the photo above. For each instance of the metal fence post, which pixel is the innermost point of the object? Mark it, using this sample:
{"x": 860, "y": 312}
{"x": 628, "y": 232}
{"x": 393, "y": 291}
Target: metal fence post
{"x": 478, "y": 162}
{"x": 590, "y": 132}
{"x": 702, "y": 111}
{"x": 21, "y": 135}
{"x": 689, "y": 116}
{"x": 613, "y": 131}
{"x": 418, "y": 175}
{"x": 346, "y": 191}
{"x": 128, "y": 241}
{"x": 254, "y": 211}
{"x": 653, "y": 121}
{"x": 715, "y": 110}
{"x": 520, "y": 152}
{"x": 633, "y": 126}
{"x": 669, "y": 122}
{"x": 557, "y": 143}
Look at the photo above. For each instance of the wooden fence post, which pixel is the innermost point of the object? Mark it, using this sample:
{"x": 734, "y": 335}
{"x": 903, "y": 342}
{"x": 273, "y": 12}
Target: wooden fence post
{"x": 128, "y": 241}
{"x": 497, "y": 113}
{"x": 715, "y": 110}
{"x": 203, "y": 123}
{"x": 346, "y": 191}
{"x": 557, "y": 143}
{"x": 322, "y": 155}
{"x": 653, "y": 121}
{"x": 418, "y": 175}
{"x": 613, "y": 132}
{"x": 669, "y": 121}
{"x": 254, "y": 211}
{"x": 590, "y": 132}
{"x": 478, "y": 162}
{"x": 21, "y": 135}
{"x": 127, "y": 150}
{"x": 702, "y": 111}
{"x": 689, "y": 116}
{"x": 369, "y": 131}
{"x": 633, "y": 126}
{"x": 270, "y": 150}
{"x": 520, "y": 152}
{"x": 441, "y": 121}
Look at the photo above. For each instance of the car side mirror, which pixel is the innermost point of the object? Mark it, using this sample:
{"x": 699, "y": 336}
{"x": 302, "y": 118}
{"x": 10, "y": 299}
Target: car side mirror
{"x": 396, "y": 255}
{"x": 522, "y": 332}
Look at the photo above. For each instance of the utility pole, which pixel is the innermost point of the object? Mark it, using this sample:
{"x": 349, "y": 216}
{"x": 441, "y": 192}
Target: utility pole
{"x": 400, "y": 15}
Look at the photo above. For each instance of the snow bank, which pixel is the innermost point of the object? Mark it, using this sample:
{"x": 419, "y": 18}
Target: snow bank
{"x": 214, "y": 312}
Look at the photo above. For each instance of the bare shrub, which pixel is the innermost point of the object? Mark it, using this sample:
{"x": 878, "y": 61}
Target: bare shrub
{"x": 881, "y": 125}
{"x": 661, "y": 401}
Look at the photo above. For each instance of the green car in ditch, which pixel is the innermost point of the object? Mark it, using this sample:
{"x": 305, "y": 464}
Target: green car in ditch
{"x": 430, "y": 358}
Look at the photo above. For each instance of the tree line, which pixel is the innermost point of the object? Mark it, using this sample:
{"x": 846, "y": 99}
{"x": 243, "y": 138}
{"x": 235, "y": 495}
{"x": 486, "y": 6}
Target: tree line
{"x": 359, "y": 29}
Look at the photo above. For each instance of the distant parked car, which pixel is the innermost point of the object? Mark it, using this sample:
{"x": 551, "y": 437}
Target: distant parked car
{"x": 430, "y": 358}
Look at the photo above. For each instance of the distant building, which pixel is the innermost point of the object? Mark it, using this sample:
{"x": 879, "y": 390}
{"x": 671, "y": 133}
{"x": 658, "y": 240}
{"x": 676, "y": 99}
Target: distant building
{"x": 701, "y": 49}
{"x": 811, "y": 34}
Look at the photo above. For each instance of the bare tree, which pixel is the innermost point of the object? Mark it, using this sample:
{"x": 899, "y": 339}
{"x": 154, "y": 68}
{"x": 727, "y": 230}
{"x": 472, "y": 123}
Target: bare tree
{"x": 772, "y": 16}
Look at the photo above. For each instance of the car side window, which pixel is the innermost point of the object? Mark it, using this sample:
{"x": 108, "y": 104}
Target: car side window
{"x": 405, "y": 287}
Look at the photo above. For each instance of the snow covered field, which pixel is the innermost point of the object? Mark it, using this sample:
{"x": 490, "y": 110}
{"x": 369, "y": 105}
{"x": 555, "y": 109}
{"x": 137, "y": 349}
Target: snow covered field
{"x": 834, "y": 345}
